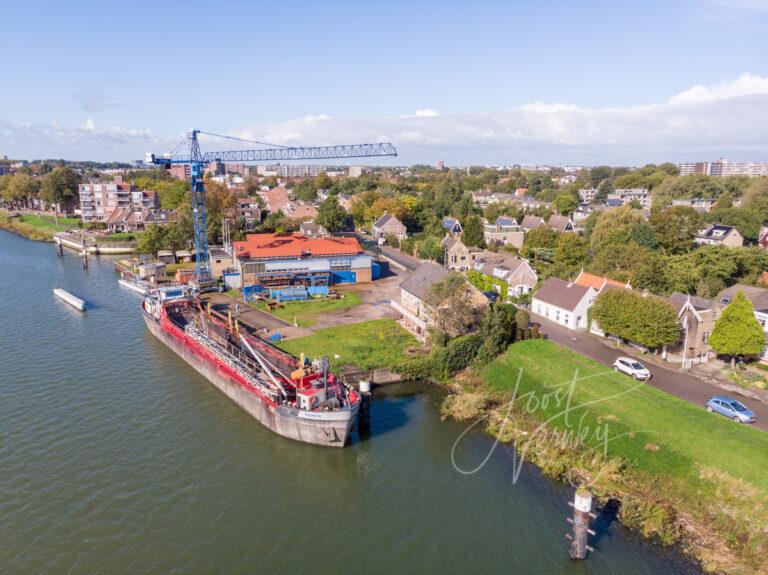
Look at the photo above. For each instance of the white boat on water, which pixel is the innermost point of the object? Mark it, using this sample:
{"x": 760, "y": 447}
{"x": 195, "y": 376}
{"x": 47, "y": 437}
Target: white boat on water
{"x": 137, "y": 287}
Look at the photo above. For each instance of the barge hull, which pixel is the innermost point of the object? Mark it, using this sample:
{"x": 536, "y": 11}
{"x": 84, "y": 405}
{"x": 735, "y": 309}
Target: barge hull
{"x": 329, "y": 429}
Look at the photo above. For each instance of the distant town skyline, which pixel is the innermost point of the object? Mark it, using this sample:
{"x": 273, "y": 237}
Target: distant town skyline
{"x": 497, "y": 83}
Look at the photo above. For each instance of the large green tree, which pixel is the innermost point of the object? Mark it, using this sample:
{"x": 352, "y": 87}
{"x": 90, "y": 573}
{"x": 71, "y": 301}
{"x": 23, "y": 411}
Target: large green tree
{"x": 647, "y": 320}
{"x": 472, "y": 235}
{"x": 452, "y": 312}
{"x": 737, "y": 331}
{"x": 674, "y": 228}
{"x": 565, "y": 203}
{"x": 614, "y": 227}
{"x": 61, "y": 187}
{"x": 331, "y": 215}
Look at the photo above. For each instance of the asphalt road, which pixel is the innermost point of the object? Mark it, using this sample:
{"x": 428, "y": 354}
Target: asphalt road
{"x": 678, "y": 384}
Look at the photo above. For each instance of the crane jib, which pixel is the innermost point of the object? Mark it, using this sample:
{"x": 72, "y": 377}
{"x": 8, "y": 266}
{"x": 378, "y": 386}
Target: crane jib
{"x": 197, "y": 160}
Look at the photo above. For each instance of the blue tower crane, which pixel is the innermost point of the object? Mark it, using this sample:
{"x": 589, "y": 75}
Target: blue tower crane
{"x": 197, "y": 161}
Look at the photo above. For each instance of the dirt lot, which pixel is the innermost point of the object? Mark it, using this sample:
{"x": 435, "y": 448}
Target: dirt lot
{"x": 375, "y": 295}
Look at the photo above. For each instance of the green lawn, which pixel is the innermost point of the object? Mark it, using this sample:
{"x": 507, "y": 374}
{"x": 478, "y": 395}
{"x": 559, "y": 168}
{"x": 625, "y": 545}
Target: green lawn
{"x": 120, "y": 237}
{"x": 689, "y": 439}
{"x": 35, "y": 227}
{"x": 48, "y": 222}
{"x": 369, "y": 344}
{"x": 308, "y": 312}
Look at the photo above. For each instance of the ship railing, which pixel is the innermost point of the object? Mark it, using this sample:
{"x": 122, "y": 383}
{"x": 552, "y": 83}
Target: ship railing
{"x": 240, "y": 368}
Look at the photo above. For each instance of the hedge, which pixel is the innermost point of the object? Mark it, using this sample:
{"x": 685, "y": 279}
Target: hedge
{"x": 485, "y": 283}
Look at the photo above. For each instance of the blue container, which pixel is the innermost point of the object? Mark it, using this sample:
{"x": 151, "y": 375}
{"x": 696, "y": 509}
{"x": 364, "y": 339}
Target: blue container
{"x": 343, "y": 277}
{"x": 375, "y": 270}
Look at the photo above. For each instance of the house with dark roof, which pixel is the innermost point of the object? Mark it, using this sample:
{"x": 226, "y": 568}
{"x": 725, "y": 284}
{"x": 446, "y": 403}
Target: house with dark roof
{"x": 416, "y": 312}
{"x": 560, "y": 223}
{"x": 565, "y": 303}
{"x": 532, "y": 222}
{"x": 457, "y": 256}
{"x": 697, "y": 319}
{"x": 389, "y": 225}
{"x": 506, "y": 274}
{"x": 720, "y": 235}
{"x": 504, "y": 231}
{"x": 452, "y": 225}
{"x": 312, "y": 230}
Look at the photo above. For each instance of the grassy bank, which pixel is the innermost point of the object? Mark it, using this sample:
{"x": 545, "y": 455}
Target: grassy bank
{"x": 308, "y": 312}
{"x": 683, "y": 475}
{"x": 37, "y": 227}
{"x": 369, "y": 345}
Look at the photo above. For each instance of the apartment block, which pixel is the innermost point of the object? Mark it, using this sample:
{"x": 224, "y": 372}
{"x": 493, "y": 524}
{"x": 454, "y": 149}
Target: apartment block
{"x": 99, "y": 200}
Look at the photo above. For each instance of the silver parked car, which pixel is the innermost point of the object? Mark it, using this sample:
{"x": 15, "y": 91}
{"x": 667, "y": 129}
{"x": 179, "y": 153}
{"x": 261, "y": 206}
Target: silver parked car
{"x": 632, "y": 368}
{"x": 731, "y": 408}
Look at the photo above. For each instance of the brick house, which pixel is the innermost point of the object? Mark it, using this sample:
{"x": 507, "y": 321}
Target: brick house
{"x": 503, "y": 269}
{"x": 389, "y": 225}
{"x": 416, "y": 314}
{"x": 697, "y": 318}
{"x": 720, "y": 235}
{"x": 457, "y": 256}
{"x": 505, "y": 231}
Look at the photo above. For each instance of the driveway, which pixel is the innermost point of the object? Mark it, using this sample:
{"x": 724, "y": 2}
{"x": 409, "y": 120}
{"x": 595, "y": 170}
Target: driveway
{"x": 399, "y": 258}
{"x": 673, "y": 382}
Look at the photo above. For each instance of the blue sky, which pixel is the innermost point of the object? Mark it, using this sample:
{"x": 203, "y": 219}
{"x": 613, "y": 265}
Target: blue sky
{"x": 481, "y": 82}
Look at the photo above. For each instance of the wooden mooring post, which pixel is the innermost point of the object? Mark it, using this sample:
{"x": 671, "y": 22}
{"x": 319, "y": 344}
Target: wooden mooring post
{"x": 84, "y": 255}
{"x": 61, "y": 248}
{"x": 582, "y": 513}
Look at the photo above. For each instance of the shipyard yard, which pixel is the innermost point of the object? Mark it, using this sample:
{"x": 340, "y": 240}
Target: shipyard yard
{"x": 118, "y": 457}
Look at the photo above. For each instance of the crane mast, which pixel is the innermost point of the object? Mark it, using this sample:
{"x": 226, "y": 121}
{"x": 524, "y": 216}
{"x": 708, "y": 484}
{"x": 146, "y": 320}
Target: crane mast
{"x": 197, "y": 161}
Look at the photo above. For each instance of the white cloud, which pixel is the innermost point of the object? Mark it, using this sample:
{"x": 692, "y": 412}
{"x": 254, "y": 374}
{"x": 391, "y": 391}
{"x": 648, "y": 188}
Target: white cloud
{"x": 426, "y": 113}
{"x": 728, "y": 119}
{"x": 744, "y": 85}
{"x": 87, "y": 141}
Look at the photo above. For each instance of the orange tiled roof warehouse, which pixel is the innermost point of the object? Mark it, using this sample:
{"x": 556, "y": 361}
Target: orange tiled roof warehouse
{"x": 270, "y": 246}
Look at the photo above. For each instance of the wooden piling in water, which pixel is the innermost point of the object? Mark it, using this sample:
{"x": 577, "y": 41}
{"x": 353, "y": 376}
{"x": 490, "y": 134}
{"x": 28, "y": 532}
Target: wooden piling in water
{"x": 582, "y": 512}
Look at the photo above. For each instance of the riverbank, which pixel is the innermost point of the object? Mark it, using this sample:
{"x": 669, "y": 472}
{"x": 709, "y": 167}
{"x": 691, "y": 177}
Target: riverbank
{"x": 37, "y": 227}
{"x": 683, "y": 476}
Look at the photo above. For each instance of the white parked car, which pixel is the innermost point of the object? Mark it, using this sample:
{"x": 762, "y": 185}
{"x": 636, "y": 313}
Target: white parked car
{"x": 632, "y": 368}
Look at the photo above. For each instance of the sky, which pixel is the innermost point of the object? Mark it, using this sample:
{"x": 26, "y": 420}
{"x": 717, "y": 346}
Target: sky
{"x": 489, "y": 83}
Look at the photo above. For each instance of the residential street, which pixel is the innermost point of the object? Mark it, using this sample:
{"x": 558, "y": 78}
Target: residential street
{"x": 681, "y": 385}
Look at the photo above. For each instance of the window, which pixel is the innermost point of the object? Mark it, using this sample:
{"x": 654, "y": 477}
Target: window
{"x": 557, "y": 315}
{"x": 254, "y": 268}
{"x": 704, "y": 337}
{"x": 341, "y": 264}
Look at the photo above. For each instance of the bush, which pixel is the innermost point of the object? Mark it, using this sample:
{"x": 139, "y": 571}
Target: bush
{"x": 459, "y": 353}
{"x": 415, "y": 368}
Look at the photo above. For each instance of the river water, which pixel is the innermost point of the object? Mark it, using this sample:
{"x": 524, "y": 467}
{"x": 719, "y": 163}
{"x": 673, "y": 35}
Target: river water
{"x": 116, "y": 457}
